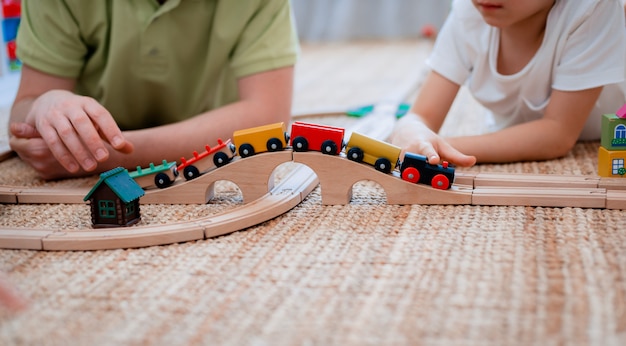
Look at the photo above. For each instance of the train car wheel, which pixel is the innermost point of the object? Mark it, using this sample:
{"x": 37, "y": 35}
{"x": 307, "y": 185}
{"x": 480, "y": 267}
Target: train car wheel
{"x": 274, "y": 144}
{"x": 355, "y": 154}
{"x": 191, "y": 172}
{"x": 300, "y": 144}
{"x": 411, "y": 174}
{"x": 161, "y": 180}
{"x": 246, "y": 150}
{"x": 383, "y": 165}
{"x": 329, "y": 147}
{"x": 440, "y": 181}
{"x": 220, "y": 159}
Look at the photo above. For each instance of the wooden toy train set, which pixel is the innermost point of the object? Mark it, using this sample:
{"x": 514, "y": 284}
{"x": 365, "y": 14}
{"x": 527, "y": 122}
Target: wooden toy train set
{"x": 249, "y": 161}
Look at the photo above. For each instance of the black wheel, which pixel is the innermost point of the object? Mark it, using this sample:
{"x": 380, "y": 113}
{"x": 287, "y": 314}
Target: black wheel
{"x": 161, "y": 180}
{"x": 191, "y": 172}
{"x": 220, "y": 159}
{"x": 355, "y": 154}
{"x": 300, "y": 144}
{"x": 274, "y": 144}
{"x": 383, "y": 165}
{"x": 329, "y": 147}
{"x": 246, "y": 150}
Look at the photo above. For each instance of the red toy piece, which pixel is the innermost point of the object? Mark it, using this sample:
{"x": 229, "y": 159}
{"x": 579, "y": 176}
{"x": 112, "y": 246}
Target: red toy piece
{"x": 221, "y": 154}
{"x": 11, "y": 50}
{"x": 428, "y": 31}
{"x": 306, "y": 136}
{"x": 11, "y": 8}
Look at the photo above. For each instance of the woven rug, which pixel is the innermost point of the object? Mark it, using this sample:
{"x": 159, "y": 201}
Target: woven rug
{"x": 366, "y": 273}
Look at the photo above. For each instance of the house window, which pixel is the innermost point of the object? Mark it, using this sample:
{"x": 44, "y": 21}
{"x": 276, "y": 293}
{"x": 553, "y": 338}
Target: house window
{"x": 620, "y": 131}
{"x": 618, "y": 167}
{"x": 106, "y": 209}
{"x": 130, "y": 209}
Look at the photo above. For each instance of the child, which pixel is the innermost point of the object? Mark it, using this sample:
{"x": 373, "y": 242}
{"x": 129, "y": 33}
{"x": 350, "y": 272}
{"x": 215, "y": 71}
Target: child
{"x": 546, "y": 70}
{"x": 127, "y": 83}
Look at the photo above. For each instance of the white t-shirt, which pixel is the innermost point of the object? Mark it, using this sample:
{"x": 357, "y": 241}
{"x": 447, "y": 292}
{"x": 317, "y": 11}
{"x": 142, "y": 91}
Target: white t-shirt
{"x": 584, "y": 46}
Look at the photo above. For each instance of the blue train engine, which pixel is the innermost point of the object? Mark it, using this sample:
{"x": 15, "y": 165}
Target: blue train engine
{"x": 416, "y": 169}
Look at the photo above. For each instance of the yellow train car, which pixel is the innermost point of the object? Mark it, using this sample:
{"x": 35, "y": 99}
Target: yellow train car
{"x": 382, "y": 155}
{"x": 272, "y": 137}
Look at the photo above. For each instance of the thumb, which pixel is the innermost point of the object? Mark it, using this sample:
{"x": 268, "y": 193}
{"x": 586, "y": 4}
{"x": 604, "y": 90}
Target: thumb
{"x": 24, "y": 130}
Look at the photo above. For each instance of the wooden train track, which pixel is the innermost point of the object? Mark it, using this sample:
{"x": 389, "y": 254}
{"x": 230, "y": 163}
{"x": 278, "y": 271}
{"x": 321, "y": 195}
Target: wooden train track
{"x": 264, "y": 201}
{"x": 472, "y": 189}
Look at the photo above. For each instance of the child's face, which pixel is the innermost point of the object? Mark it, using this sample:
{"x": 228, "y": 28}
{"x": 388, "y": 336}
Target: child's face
{"x": 505, "y": 13}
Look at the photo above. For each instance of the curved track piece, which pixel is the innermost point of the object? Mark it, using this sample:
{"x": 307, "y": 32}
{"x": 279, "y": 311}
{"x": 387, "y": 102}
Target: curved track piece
{"x": 289, "y": 193}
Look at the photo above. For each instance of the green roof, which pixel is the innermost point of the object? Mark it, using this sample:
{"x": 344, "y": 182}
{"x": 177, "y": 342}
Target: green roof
{"x": 121, "y": 183}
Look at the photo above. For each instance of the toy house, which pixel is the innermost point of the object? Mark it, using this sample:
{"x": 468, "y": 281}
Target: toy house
{"x": 612, "y": 151}
{"x": 114, "y": 199}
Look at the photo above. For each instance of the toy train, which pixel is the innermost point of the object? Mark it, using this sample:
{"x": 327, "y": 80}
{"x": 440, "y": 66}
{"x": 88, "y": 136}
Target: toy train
{"x": 328, "y": 140}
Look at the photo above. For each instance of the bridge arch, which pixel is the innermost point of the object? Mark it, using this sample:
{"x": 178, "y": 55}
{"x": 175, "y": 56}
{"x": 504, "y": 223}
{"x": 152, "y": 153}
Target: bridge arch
{"x": 337, "y": 176}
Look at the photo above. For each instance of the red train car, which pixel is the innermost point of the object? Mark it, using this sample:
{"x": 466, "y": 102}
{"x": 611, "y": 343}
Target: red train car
{"x": 306, "y": 136}
{"x": 220, "y": 154}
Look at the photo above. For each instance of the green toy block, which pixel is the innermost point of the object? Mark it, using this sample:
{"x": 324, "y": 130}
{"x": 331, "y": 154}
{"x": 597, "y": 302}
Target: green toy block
{"x": 613, "y": 132}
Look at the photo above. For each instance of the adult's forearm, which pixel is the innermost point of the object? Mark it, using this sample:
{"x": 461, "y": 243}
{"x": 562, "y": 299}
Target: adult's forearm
{"x": 173, "y": 141}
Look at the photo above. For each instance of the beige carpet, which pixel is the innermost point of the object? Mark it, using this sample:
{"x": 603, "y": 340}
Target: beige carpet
{"x": 366, "y": 273}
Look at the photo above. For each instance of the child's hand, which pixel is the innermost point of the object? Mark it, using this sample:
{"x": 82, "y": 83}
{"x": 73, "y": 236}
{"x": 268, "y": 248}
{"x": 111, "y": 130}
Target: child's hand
{"x": 414, "y": 136}
{"x": 74, "y": 129}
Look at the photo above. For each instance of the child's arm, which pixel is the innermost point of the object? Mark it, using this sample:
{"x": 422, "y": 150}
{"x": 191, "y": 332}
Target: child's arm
{"x": 550, "y": 137}
{"x": 417, "y": 131}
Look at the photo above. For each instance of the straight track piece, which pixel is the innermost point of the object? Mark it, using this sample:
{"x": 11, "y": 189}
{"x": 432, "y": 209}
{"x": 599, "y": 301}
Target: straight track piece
{"x": 535, "y": 180}
{"x": 612, "y": 183}
{"x": 52, "y": 196}
{"x": 616, "y": 199}
{"x": 23, "y": 238}
{"x": 8, "y": 194}
{"x": 540, "y": 197}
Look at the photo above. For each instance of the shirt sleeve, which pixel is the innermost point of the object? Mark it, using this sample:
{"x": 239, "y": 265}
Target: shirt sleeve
{"x": 49, "y": 39}
{"x": 452, "y": 53}
{"x": 595, "y": 51}
{"x": 269, "y": 40}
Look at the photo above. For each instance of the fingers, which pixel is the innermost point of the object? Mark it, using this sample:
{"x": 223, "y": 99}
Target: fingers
{"x": 23, "y": 130}
{"x": 75, "y": 128}
{"x": 106, "y": 126}
{"x": 65, "y": 144}
{"x": 414, "y": 136}
{"x": 36, "y": 153}
{"x": 456, "y": 157}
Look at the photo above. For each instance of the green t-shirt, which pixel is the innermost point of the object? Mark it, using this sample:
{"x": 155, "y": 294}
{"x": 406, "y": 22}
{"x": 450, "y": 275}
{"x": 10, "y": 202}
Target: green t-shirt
{"x": 152, "y": 64}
